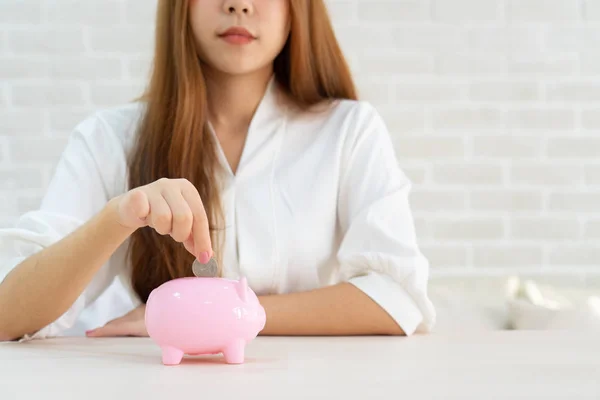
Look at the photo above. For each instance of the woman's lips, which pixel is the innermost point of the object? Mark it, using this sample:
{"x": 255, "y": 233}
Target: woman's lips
{"x": 237, "y": 35}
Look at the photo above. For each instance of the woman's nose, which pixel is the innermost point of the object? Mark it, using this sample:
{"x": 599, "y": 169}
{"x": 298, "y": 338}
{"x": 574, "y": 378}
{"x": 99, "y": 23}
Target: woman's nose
{"x": 238, "y": 7}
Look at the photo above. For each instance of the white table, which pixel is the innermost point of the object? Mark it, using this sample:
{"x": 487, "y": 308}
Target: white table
{"x": 491, "y": 365}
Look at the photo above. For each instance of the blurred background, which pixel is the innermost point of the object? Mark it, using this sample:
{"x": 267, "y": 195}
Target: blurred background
{"x": 493, "y": 106}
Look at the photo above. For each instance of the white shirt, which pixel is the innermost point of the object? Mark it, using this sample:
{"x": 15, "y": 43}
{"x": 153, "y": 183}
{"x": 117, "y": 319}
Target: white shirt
{"x": 318, "y": 198}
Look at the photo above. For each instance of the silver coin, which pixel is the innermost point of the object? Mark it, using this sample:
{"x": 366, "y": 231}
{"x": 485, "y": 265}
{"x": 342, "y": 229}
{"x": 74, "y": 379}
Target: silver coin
{"x": 209, "y": 269}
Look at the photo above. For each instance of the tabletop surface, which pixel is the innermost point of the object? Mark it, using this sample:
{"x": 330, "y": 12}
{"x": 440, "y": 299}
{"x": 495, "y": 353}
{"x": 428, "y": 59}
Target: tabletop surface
{"x": 509, "y": 364}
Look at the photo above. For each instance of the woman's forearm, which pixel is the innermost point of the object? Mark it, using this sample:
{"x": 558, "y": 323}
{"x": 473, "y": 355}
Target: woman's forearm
{"x": 45, "y": 285}
{"x": 339, "y": 310}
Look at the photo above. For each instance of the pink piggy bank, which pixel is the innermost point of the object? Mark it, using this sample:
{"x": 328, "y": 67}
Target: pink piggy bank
{"x": 198, "y": 316}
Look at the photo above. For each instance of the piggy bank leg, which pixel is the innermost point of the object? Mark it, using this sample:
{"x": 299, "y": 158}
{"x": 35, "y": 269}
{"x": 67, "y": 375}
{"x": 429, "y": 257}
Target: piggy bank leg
{"x": 234, "y": 352}
{"x": 171, "y": 355}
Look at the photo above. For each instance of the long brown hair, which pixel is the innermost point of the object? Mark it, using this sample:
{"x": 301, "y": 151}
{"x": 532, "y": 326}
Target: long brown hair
{"x": 173, "y": 140}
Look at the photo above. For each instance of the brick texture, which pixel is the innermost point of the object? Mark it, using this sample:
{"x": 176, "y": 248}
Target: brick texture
{"x": 467, "y": 10}
{"x": 591, "y": 10}
{"x": 448, "y": 256}
{"x": 544, "y": 10}
{"x": 507, "y": 256}
{"x": 545, "y": 228}
{"x": 493, "y": 107}
{"x": 545, "y": 174}
{"x": 486, "y": 201}
{"x": 592, "y": 229}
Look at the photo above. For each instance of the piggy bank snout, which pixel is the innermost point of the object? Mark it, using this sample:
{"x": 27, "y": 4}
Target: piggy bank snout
{"x": 262, "y": 318}
{"x": 255, "y": 315}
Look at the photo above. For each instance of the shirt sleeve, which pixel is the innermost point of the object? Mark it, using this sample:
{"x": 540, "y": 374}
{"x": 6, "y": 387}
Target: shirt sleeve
{"x": 379, "y": 253}
{"x": 78, "y": 189}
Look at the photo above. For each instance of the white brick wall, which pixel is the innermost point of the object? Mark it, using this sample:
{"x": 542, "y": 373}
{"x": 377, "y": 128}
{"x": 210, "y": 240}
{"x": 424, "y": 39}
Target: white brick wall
{"x": 494, "y": 108}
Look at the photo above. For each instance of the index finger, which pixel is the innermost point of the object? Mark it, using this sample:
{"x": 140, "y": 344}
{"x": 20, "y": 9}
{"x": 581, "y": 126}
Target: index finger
{"x": 200, "y": 226}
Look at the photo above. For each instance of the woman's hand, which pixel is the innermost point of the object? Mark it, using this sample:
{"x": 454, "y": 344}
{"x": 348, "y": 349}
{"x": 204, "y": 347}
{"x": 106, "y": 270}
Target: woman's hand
{"x": 171, "y": 207}
{"x": 131, "y": 324}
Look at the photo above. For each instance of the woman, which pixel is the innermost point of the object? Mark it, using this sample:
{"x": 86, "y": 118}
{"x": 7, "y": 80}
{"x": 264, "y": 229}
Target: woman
{"x": 249, "y": 146}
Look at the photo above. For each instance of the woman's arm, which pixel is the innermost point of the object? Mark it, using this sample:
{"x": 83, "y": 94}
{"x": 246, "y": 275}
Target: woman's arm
{"x": 51, "y": 255}
{"x": 45, "y": 285}
{"x": 338, "y": 310}
{"x": 379, "y": 253}
{"x": 49, "y": 259}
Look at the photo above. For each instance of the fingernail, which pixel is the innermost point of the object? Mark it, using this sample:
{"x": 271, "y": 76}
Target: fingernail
{"x": 204, "y": 257}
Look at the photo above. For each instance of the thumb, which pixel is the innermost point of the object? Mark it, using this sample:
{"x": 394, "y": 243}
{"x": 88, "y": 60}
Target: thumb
{"x": 189, "y": 245}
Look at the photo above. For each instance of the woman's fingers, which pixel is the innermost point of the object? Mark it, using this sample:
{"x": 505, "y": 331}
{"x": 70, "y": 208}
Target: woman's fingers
{"x": 131, "y": 324}
{"x": 116, "y": 327}
{"x": 200, "y": 227}
{"x": 182, "y": 217}
{"x": 189, "y": 245}
{"x": 160, "y": 218}
{"x": 171, "y": 207}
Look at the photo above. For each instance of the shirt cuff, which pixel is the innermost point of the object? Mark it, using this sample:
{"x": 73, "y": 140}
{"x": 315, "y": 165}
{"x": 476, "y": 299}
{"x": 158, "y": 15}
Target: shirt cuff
{"x": 393, "y": 298}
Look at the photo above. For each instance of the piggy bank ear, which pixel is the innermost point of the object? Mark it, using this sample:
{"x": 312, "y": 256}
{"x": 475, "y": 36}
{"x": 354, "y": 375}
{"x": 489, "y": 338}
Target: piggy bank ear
{"x": 242, "y": 289}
